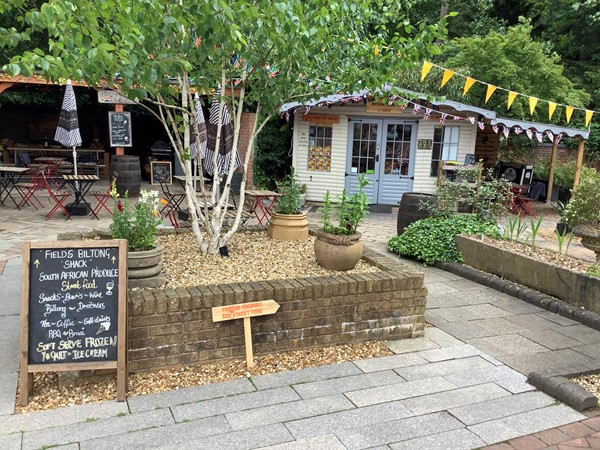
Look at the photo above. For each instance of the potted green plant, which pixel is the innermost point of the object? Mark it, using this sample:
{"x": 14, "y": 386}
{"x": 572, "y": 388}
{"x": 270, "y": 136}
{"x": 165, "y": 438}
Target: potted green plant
{"x": 583, "y": 212}
{"x": 288, "y": 222}
{"x": 302, "y": 199}
{"x": 562, "y": 226}
{"x": 338, "y": 245}
{"x": 140, "y": 228}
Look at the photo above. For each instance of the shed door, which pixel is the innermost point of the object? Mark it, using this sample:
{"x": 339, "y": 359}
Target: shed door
{"x": 384, "y": 151}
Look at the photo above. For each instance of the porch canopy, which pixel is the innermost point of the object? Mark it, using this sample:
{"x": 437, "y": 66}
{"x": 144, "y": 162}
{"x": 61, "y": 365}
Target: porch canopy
{"x": 555, "y": 131}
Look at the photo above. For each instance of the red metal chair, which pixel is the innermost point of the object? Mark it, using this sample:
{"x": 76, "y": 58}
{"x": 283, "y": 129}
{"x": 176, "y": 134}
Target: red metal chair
{"x": 102, "y": 197}
{"x": 58, "y": 197}
{"x": 28, "y": 189}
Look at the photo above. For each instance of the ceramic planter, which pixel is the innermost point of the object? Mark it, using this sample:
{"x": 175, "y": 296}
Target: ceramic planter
{"x": 288, "y": 227}
{"x": 338, "y": 252}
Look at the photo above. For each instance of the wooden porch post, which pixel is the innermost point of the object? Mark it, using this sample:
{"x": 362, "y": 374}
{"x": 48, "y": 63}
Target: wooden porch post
{"x": 119, "y": 150}
{"x": 580, "y": 149}
{"x": 552, "y": 167}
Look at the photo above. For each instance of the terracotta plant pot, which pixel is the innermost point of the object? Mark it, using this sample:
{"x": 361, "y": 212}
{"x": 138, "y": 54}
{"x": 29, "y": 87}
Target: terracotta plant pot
{"x": 288, "y": 227}
{"x": 144, "y": 268}
{"x": 338, "y": 252}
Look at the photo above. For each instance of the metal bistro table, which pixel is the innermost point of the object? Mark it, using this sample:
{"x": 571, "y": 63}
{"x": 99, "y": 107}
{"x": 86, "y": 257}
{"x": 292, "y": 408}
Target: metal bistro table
{"x": 10, "y": 176}
{"x": 262, "y": 210}
{"x": 53, "y": 165}
{"x": 85, "y": 182}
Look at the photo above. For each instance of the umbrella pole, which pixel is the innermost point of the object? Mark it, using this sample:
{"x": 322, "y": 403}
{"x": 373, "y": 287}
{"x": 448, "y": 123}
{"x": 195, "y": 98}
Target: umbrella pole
{"x": 75, "y": 172}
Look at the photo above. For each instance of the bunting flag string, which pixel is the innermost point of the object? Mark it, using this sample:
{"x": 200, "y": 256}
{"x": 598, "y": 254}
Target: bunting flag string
{"x": 512, "y": 95}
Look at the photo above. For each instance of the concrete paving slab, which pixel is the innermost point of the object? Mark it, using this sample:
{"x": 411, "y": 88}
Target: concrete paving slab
{"x": 568, "y": 358}
{"x": 189, "y": 395}
{"x": 441, "y": 338}
{"x": 9, "y": 350}
{"x": 339, "y": 422}
{"x": 347, "y": 384}
{"x": 285, "y": 412}
{"x": 305, "y": 375}
{"x": 329, "y": 442}
{"x": 389, "y": 362}
{"x": 233, "y": 403}
{"x": 393, "y": 392}
{"x": 410, "y": 345}
{"x": 592, "y": 350}
{"x": 460, "y": 439}
{"x": 499, "y": 326}
{"x": 525, "y": 423}
{"x": 440, "y": 288}
{"x": 487, "y": 375}
{"x": 473, "y": 297}
{"x": 178, "y": 434}
{"x": 534, "y": 322}
{"x": 550, "y": 339}
{"x": 241, "y": 440}
{"x": 442, "y": 368}
{"x": 399, "y": 430}
{"x": 11, "y": 441}
{"x": 462, "y": 284}
{"x": 581, "y": 333}
{"x": 556, "y": 318}
{"x": 451, "y": 399}
{"x": 433, "y": 319}
{"x": 501, "y": 407}
{"x": 69, "y": 415}
{"x": 517, "y": 306}
{"x": 463, "y": 329}
{"x": 8, "y": 387}
{"x": 446, "y": 353}
{"x": 509, "y": 344}
{"x": 527, "y": 363}
{"x": 446, "y": 301}
{"x": 102, "y": 428}
{"x": 471, "y": 312}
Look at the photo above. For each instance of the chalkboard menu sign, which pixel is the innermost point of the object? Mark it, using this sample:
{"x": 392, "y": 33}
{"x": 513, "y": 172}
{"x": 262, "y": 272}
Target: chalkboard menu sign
{"x": 160, "y": 172}
{"x": 119, "y": 124}
{"x": 74, "y": 306}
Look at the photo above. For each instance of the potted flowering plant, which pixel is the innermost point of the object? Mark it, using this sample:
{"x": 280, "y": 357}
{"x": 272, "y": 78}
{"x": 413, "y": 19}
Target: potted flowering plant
{"x": 288, "y": 222}
{"x": 139, "y": 226}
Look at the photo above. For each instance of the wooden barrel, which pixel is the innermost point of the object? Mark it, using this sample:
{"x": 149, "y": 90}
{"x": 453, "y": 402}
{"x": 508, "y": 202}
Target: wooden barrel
{"x": 126, "y": 169}
{"x": 410, "y": 209}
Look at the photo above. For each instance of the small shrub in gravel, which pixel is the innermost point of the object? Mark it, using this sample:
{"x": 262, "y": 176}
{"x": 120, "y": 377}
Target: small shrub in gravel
{"x": 432, "y": 239}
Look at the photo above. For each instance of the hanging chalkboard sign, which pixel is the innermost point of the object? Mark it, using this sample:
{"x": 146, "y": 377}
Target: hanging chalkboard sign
{"x": 119, "y": 124}
{"x": 74, "y": 309}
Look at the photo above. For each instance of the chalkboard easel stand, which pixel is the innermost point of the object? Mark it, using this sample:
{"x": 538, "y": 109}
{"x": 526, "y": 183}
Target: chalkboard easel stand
{"x": 120, "y": 364}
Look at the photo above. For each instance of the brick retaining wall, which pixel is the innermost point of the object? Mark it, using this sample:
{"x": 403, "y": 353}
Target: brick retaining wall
{"x": 170, "y": 327}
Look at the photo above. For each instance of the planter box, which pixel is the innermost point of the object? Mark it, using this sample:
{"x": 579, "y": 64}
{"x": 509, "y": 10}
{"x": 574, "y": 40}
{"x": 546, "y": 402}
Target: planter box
{"x": 575, "y": 288}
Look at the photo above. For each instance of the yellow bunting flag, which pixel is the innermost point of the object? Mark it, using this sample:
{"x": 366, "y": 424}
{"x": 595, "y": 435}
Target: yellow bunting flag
{"x": 376, "y": 50}
{"x": 569, "y": 113}
{"x": 469, "y": 82}
{"x": 551, "y": 109}
{"x": 490, "y": 90}
{"x": 588, "y": 117}
{"x": 447, "y": 75}
{"x": 532, "y": 103}
{"x": 511, "y": 98}
{"x": 425, "y": 70}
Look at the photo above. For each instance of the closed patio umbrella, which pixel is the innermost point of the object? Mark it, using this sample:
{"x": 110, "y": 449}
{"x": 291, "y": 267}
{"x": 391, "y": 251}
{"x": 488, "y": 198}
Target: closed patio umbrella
{"x": 67, "y": 131}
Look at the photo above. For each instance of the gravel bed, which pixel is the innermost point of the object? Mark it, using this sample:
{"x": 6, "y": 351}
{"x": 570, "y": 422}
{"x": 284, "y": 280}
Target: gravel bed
{"x": 252, "y": 257}
{"x": 589, "y": 382}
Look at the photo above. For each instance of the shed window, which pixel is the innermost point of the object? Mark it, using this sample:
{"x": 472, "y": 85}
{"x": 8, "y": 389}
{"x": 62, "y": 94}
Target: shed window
{"x": 445, "y": 146}
{"x": 319, "y": 148}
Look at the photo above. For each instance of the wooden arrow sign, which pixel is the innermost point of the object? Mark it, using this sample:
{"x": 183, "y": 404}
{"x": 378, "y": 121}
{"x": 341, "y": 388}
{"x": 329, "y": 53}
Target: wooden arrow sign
{"x": 245, "y": 311}
{"x": 241, "y": 310}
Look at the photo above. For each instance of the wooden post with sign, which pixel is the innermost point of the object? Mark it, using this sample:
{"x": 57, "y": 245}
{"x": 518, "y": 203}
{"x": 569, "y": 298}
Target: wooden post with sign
{"x": 245, "y": 311}
{"x": 73, "y": 310}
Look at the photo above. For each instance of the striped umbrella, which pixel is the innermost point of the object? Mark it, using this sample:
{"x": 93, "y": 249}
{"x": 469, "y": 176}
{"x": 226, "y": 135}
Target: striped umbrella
{"x": 67, "y": 131}
{"x": 226, "y": 150}
{"x": 198, "y": 149}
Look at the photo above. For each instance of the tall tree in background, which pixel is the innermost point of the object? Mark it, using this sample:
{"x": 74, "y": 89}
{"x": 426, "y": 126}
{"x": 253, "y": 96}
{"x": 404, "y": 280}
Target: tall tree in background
{"x": 267, "y": 52}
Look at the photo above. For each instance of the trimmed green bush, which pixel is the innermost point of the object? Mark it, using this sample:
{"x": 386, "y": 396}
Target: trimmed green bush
{"x": 432, "y": 239}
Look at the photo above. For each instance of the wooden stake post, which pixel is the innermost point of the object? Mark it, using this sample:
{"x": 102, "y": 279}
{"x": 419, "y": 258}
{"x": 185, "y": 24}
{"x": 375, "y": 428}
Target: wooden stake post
{"x": 245, "y": 311}
{"x": 73, "y": 310}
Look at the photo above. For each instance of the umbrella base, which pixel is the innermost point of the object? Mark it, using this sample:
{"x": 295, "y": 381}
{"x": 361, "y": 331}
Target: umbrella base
{"x": 78, "y": 210}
